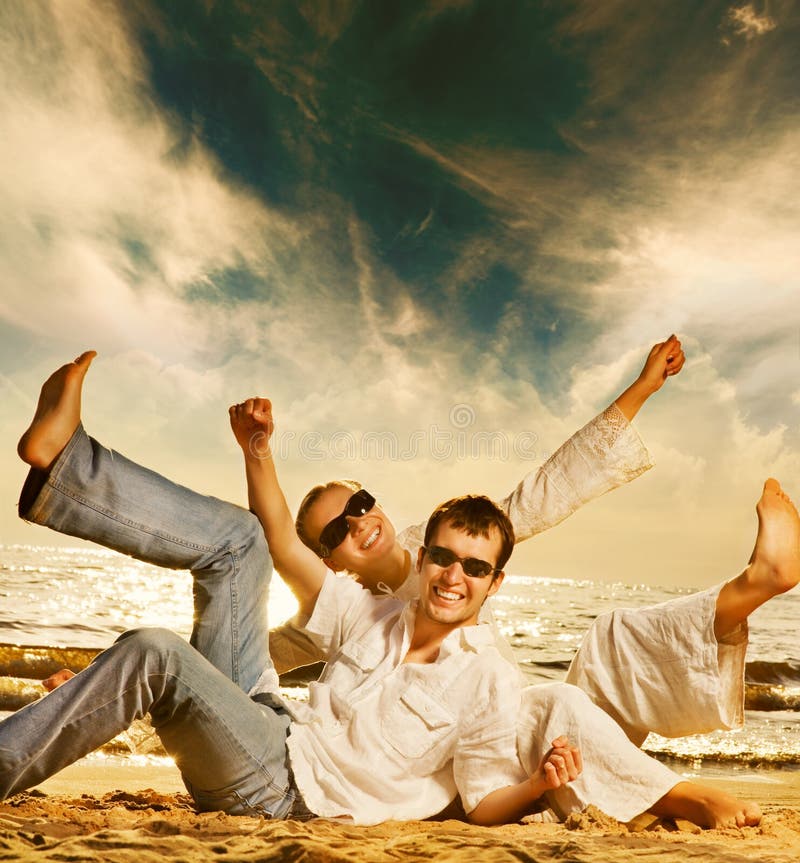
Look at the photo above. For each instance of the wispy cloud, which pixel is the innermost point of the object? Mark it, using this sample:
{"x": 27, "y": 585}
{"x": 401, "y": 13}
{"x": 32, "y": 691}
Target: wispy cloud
{"x": 746, "y": 21}
{"x": 109, "y": 215}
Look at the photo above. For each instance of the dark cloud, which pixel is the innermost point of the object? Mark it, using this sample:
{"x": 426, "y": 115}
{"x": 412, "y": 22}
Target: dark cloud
{"x": 290, "y": 113}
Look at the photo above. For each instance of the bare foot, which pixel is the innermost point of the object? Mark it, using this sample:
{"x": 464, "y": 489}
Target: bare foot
{"x": 774, "y": 566}
{"x": 776, "y": 557}
{"x": 707, "y": 807}
{"x": 57, "y": 414}
{"x": 55, "y": 680}
{"x": 718, "y": 809}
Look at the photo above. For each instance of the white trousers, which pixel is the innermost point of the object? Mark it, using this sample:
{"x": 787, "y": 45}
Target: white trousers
{"x": 657, "y": 669}
{"x": 661, "y": 668}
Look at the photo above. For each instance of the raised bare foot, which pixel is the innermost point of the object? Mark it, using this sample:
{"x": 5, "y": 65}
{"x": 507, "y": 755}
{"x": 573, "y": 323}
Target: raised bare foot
{"x": 57, "y": 414}
{"x": 775, "y": 562}
{"x": 774, "y": 566}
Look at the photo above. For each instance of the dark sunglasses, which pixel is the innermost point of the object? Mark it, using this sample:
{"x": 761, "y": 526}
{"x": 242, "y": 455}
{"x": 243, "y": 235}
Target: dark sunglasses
{"x": 336, "y": 529}
{"x": 473, "y": 566}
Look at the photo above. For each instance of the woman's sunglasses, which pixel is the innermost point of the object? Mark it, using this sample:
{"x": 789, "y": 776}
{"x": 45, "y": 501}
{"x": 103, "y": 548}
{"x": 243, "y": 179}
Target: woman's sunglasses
{"x": 336, "y": 529}
{"x": 473, "y": 566}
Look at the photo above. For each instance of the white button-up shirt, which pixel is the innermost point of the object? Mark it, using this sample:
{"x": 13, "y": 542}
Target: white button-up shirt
{"x": 382, "y": 740}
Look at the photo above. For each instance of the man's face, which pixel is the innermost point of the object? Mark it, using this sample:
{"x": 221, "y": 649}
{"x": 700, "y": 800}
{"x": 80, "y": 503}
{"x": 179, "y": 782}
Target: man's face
{"x": 370, "y": 538}
{"x": 447, "y": 594}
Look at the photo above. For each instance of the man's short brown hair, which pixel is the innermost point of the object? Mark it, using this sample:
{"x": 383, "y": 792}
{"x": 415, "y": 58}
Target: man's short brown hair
{"x": 476, "y": 515}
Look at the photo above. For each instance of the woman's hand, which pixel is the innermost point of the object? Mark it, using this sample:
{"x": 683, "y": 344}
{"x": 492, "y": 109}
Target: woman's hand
{"x": 252, "y": 425}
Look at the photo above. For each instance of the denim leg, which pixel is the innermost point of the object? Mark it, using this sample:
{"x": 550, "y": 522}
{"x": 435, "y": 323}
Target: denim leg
{"x": 230, "y": 749}
{"x": 97, "y": 494}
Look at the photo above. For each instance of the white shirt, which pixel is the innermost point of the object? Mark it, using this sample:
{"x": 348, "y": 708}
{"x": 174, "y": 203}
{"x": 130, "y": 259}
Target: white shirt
{"x": 382, "y": 740}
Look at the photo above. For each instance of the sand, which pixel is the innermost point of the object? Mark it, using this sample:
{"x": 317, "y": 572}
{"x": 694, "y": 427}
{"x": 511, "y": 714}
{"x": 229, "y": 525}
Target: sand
{"x": 124, "y": 812}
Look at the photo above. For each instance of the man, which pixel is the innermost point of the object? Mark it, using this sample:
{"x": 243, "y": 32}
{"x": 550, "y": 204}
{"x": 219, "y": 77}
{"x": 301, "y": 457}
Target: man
{"x": 389, "y": 733}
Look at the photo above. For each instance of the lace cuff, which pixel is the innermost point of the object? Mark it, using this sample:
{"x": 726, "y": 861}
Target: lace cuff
{"x": 615, "y": 419}
{"x": 610, "y": 444}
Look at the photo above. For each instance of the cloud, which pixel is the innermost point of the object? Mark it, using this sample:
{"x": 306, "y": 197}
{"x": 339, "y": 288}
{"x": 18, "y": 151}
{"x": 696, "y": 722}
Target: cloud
{"x": 588, "y": 381}
{"x": 747, "y": 22}
{"x": 110, "y": 214}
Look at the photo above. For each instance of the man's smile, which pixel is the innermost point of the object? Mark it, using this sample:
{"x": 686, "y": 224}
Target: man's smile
{"x": 449, "y": 595}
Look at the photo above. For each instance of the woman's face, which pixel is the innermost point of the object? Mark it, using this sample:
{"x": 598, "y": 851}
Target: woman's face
{"x": 370, "y": 537}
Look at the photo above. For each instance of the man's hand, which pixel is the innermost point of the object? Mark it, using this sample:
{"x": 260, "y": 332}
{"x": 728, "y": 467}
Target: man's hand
{"x": 561, "y": 765}
{"x": 664, "y": 360}
{"x": 252, "y": 425}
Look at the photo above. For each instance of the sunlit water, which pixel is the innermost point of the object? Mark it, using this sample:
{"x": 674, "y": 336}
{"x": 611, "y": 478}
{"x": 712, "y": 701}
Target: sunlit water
{"x": 85, "y": 597}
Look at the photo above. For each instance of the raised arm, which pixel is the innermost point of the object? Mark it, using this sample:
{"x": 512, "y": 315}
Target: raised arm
{"x": 605, "y": 454}
{"x": 301, "y": 569}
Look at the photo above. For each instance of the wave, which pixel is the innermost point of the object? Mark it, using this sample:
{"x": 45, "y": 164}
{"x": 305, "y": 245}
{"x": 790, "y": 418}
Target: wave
{"x": 769, "y": 698}
{"x": 784, "y": 673}
{"x": 772, "y": 686}
{"x": 769, "y": 686}
{"x": 21, "y": 667}
{"x": 740, "y": 759}
{"x": 36, "y": 663}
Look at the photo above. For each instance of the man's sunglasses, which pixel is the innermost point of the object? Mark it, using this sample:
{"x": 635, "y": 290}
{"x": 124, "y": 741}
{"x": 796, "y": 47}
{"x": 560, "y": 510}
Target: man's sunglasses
{"x": 473, "y": 566}
{"x": 336, "y": 529}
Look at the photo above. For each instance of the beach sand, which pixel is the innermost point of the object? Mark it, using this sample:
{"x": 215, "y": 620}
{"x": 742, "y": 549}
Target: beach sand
{"x": 122, "y": 812}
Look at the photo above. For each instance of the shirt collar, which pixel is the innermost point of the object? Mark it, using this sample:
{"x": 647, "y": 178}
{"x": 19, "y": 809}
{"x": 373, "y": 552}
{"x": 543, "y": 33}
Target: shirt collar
{"x": 475, "y": 638}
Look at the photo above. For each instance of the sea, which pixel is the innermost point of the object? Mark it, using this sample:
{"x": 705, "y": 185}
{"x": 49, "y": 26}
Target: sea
{"x": 59, "y": 606}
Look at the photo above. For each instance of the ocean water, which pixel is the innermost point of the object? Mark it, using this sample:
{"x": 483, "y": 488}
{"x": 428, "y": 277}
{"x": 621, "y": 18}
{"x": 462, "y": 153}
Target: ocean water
{"x": 68, "y": 603}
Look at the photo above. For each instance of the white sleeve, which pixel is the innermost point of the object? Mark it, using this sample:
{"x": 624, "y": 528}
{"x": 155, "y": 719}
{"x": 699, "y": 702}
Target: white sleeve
{"x": 606, "y": 453}
{"x": 290, "y": 646}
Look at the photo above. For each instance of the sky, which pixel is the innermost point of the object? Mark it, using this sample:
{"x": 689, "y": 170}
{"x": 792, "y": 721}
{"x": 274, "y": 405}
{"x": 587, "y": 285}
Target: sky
{"x": 440, "y": 236}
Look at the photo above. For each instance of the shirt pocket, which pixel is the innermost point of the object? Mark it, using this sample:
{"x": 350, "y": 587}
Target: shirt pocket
{"x": 416, "y": 722}
{"x": 348, "y": 669}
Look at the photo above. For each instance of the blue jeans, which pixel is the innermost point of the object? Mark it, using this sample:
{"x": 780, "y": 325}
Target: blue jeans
{"x": 229, "y": 747}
